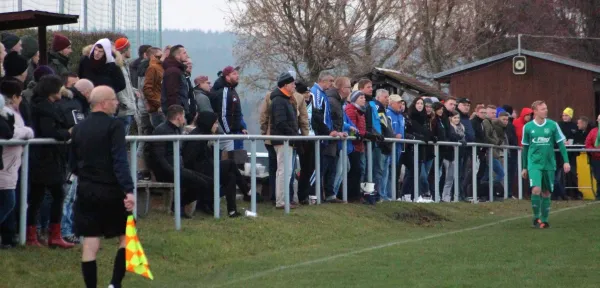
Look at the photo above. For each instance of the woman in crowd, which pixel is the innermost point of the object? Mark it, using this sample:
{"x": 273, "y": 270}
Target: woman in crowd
{"x": 47, "y": 162}
{"x": 11, "y": 126}
{"x": 456, "y": 133}
{"x": 356, "y": 113}
{"x": 417, "y": 128}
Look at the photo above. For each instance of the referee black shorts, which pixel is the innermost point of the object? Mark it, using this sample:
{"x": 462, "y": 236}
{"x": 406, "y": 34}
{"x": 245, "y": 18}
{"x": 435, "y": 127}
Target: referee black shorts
{"x": 99, "y": 210}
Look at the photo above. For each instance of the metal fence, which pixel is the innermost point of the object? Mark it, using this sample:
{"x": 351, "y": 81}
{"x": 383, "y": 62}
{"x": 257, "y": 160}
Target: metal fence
{"x": 140, "y": 20}
{"x": 177, "y": 139}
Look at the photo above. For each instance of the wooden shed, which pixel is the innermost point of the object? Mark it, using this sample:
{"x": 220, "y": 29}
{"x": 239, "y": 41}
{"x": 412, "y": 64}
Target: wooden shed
{"x": 560, "y": 81}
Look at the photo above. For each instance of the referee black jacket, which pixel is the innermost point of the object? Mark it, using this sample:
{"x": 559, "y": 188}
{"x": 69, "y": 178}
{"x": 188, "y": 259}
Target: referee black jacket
{"x": 99, "y": 151}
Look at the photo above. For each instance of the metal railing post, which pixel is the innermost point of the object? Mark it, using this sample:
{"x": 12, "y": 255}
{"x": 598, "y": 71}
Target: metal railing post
{"x": 393, "y": 176}
{"x": 520, "y": 168}
{"x": 456, "y": 174}
{"x": 23, "y": 197}
{"x": 253, "y": 176}
{"x": 474, "y": 173}
{"x": 436, "y": 172}
{"x": 416, "y": 171}
{"x": 491, "y": 170}
{"x": 216, "y": 179}
{"x": 370, "y": 161}
{"x": 133, "y": 168}
{"x": 286, "y": 175}
{"x": 318, "y": 171}
{"x": 177, "y": 184}
{"x": 345, "y": 170}
{"x": 505, "y": 167}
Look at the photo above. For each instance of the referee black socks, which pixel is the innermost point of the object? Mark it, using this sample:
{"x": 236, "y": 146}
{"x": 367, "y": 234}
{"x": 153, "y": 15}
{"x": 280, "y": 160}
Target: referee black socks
{"x": 89, "y": 271}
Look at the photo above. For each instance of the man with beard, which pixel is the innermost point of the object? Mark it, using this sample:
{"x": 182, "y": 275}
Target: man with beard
{"x": 226, "y": 102}
{"x": 175, "y": 88}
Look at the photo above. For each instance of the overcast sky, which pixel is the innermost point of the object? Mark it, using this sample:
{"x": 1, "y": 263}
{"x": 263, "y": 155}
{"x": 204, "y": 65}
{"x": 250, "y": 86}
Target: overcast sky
{"x": 195, "y": 14}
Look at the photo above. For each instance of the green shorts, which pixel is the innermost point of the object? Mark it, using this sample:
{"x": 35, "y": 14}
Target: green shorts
{"x": 542, "y": 178}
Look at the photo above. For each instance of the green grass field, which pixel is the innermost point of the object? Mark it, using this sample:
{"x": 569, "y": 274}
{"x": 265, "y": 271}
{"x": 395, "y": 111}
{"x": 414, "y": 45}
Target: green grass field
{"x": 347, "y": 245}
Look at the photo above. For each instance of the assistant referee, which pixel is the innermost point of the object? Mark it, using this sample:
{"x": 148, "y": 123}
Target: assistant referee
{"x": 104, "y": 194}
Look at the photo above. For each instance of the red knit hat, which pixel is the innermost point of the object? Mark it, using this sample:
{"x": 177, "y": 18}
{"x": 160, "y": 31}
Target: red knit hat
{"x": 122, "y": 44}
{"x": 60, "y": 42}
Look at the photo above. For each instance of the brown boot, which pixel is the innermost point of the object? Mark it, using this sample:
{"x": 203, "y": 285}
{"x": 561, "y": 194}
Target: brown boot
{"x": 32, "y": 237}
{"x": 55, "y": 238}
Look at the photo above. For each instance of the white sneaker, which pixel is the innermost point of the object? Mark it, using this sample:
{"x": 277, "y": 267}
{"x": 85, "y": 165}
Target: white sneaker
{"x": 427, "y": 200}
{"x": 111, "y": 286}
{"x": 419, "y": 200}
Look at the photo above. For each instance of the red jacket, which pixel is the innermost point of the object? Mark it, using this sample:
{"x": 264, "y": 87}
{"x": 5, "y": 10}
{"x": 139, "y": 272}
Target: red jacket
{"x": 358, "y": 118}
{"x": 590, "y": 141}
{"x": 520, "y": 122}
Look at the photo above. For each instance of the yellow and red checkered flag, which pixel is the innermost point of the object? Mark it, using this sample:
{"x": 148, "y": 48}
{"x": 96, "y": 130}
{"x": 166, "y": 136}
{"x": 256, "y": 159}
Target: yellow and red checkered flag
{"x": 135, "y": 259}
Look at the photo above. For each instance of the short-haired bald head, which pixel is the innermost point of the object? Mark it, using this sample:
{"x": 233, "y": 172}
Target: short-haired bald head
{"x": 101, "y": 94}
{"x": 84, "y": 86}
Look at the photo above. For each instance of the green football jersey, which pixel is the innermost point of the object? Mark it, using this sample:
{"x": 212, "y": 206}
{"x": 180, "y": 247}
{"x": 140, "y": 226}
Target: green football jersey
{"x": 541, "y": 140}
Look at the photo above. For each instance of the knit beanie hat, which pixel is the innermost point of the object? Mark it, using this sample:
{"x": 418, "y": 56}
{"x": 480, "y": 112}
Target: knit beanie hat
{"x": 42, "y": 71}
{"x": 30, "y": 47}
{"x": 568, "y": 111}
{"x": 355, "y": 95}
{"x": 122, "y": 44}
{"x": 9, "y": 40}
{"x": 14, "y": 64}
{"x": 301, "y": 88}
{"x": 508, "y": 109}
{"x": 284, "y": 79}
{"x": 60, "y": 42}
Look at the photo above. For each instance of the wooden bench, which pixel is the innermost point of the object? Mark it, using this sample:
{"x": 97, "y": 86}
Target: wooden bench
{"x": 145, "y": 185}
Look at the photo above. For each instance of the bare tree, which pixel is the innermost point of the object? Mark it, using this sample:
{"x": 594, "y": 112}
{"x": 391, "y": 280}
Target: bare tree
{"x": 309, "y": 36}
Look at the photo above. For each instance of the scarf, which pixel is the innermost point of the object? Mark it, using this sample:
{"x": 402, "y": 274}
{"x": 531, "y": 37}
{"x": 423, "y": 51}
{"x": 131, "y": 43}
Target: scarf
{"x": 597, "y": 143}
{"x": 360, "y": 108}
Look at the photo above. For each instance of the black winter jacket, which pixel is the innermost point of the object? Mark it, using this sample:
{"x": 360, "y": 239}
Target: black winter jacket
{"x": 48, "y": 162}
{"x": 107, "y": 74}
{"x": 198, "y": 155}
{"x": 230, "y": 115}
{"x": 99, "y": 152}
{"x": 284, "y": 116}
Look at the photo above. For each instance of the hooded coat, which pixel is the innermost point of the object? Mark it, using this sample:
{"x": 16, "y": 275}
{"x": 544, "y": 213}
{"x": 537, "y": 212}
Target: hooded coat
{"x": 107, "y": 73}
{"x": 11, "y": 155}
{"x": 520, "y": 122}
{"x": 226, "y": 103}
{"x": 126, "y": 96}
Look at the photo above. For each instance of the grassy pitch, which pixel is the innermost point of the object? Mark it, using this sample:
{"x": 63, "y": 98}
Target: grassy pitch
{"x": 347, "y": 245}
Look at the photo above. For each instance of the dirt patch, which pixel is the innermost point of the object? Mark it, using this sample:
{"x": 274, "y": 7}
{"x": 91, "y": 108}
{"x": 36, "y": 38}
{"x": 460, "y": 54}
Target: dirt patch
{"x": 419, "y": 216}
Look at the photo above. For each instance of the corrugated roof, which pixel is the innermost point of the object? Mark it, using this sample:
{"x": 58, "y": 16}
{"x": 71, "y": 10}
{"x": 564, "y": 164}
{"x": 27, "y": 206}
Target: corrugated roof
{"x": 34, "y": 18}
{"x": 413, "y": 83}
{"x": 542, "y": 55}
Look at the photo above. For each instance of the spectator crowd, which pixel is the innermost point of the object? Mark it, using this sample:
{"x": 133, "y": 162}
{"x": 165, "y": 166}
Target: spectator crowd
{"x": 158, "y": 93}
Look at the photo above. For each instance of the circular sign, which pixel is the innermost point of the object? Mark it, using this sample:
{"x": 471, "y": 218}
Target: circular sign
{"x": 520, "y": 64}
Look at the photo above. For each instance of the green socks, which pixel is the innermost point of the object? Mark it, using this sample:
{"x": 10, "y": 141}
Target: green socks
{"x": 545, "y": 208}
{"x": 536, "y": 204}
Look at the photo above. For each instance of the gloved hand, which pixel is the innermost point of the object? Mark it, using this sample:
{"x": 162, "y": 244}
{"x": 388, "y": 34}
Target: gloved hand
{"x": 380, "y": 138}
{"x": 463, "y": 142}
{"x": 370, "y": 136}
{"x": 434, "y": 139}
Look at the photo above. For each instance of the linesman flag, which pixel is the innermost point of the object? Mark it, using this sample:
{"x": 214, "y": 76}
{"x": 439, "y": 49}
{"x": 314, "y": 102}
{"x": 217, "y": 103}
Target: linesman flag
{"x": 135, "y": 259}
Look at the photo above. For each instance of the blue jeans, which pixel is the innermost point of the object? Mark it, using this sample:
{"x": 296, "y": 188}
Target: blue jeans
{"x": 498, "y": 172}
{"x": 378, "y": 169}
{"x": 386, "y": 181}
{"x": 338, "y": 173}
{"x": 424, "y": 177}
{"x": 7, "y": 203}
{"x": 127, "y": 120}
{"x": 66, "y": 223}
{"x": 8, "y": 220}
{"x": 363, "y": 167}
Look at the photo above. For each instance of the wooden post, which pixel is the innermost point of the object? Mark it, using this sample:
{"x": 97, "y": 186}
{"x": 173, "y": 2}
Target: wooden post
{"x": 43, "y": 45}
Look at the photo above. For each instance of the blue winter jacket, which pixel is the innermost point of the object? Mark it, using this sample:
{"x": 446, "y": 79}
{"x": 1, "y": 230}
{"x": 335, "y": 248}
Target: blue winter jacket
{"x": 398, "y": 127}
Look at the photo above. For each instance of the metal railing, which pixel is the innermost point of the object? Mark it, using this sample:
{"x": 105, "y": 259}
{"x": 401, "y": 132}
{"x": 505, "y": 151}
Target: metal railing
{"x": 177, "y": 139}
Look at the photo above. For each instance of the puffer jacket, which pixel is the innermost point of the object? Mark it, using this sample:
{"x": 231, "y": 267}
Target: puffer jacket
{"x": 226, "y": 103}
{"x": 126, "y": 97}
{"x": 357, "y": 116}
{"x": 106, "y": 74}
{"x": 11, "y": 155}
{"x": 284, "y": 116}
